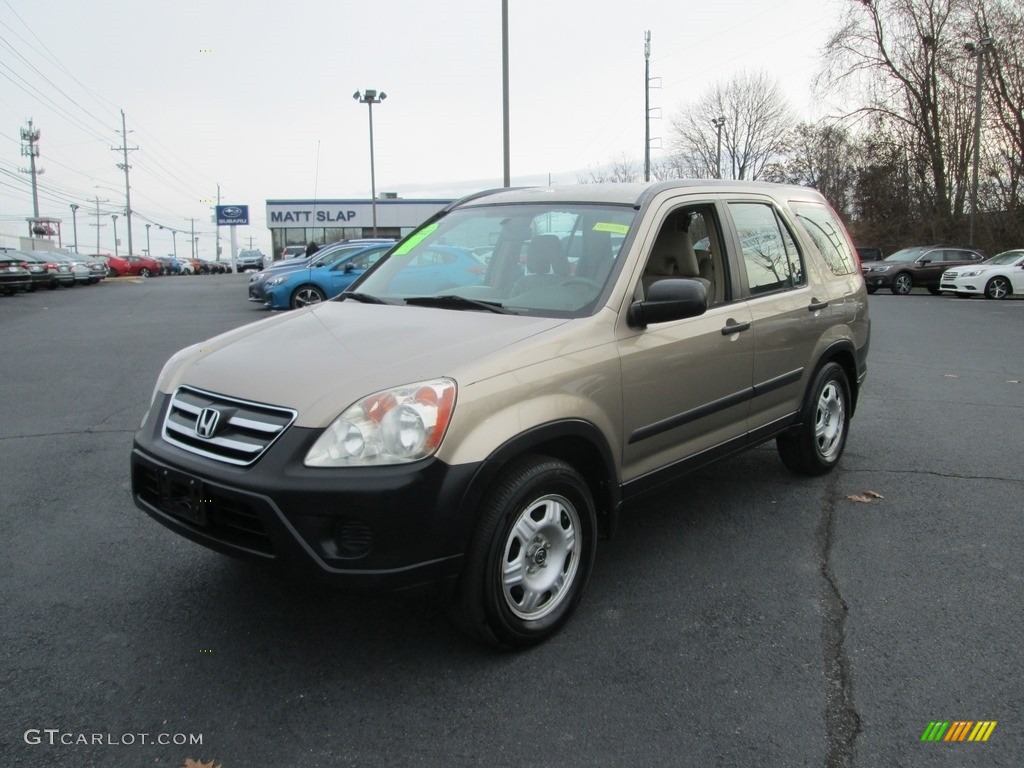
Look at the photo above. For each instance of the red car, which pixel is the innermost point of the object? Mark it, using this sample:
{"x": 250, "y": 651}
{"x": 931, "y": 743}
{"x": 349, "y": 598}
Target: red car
{"x": 143, "y": 266}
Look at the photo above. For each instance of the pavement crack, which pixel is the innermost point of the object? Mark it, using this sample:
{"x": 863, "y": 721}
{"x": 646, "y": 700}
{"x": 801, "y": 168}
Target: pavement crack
{"x": 842, "y": 722}
{"x": 946, "y": 475}
{"x": 69, "y": 433}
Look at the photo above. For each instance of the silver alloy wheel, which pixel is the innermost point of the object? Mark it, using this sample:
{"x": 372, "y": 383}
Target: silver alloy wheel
{"x": 540, "y": 559}
{"x": 829, "y": 420}
{"x": 306, "y": 296}
{"x": 903, "y": 284}
{"x": 997, "y": 288}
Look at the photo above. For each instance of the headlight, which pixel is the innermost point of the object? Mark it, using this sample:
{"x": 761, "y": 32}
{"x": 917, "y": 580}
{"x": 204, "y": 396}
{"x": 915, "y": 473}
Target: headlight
{"x": 971, "y": 273}
{"x": 390, "y": 427}
{"x": 881, "y": 269}
{"x": 257, "y": 276}
{"x": 277, "y": 280}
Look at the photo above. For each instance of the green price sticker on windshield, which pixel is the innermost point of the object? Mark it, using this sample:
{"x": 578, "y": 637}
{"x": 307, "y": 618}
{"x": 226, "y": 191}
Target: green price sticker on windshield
{"x": 415, "y": 239}
{"x": 618, "y": 229}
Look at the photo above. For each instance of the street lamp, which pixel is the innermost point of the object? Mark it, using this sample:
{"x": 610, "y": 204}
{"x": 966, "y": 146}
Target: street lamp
{"x": 149, "y": 249}
{"x": 719, "y": 123}
{"x": 369, "y": 97}
{"x": 978, "y": 51}
{"x": 114, "y": 217}
{"x": 74, "y": 223}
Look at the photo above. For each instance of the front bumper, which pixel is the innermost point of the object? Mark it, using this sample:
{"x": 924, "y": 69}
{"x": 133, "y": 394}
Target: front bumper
{"x": 878, "y": 279}
{"x": 377, "y": 529}
{"x": 968, "y": 285}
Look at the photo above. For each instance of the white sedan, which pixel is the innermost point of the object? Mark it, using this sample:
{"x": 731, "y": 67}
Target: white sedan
{"x": 996, "y": 278}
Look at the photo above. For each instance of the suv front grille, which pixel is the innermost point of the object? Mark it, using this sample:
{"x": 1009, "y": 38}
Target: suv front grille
{"x": 223, "y": 428}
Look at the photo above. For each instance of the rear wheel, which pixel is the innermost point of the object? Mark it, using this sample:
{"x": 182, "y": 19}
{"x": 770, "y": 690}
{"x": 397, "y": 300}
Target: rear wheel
{"x": 872, "y": 288}
{"x": 818, "y": 443}
{"x": 306, "y": 295}
{"x": 998, "y": 288}
{"x": 531, "y": 555}
{"x": 934, "y": 291}
{"x": 902, "y": 284}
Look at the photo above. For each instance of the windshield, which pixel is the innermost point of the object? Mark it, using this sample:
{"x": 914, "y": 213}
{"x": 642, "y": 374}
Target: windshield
{"x": 907, "y": 254}
{"x": 551, "y": 260}
{"x": 1009, "y": 257}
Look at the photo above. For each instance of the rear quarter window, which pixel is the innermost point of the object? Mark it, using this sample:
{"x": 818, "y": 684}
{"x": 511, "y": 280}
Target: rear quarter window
{"x": 827, "y": 235}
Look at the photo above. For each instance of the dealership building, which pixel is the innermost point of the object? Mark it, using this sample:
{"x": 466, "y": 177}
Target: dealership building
{"x": 297, "y": 222}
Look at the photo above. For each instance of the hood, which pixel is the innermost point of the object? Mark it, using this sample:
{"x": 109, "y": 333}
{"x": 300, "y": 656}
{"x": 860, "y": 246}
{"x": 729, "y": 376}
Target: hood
{"x": 321, "y": 360}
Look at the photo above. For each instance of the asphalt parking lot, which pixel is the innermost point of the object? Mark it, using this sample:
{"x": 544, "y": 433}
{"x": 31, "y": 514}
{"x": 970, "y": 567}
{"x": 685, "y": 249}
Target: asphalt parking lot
{"x": 747, "y": 617}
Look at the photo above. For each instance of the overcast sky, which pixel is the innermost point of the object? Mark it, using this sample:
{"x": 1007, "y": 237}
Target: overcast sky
{"x": 257, "y": 96}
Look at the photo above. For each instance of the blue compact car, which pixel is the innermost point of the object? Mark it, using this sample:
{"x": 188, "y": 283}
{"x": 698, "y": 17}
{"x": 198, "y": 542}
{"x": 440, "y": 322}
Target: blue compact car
{"x": 291, "y": 289}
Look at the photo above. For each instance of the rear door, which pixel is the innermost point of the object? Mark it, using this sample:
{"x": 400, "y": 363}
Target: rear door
{"x": 788, "y": 316}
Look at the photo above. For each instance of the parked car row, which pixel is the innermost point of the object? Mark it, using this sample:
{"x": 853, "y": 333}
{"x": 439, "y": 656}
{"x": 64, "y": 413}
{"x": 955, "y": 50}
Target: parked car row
{"x": 145, "y": 266}
{"x": 31, "y": 270}
{"x": 943, "y": 268}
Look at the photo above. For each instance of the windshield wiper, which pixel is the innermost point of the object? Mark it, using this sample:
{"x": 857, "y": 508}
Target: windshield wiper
{"x": 365, "y": 298}
{"x": 452, "y": 301}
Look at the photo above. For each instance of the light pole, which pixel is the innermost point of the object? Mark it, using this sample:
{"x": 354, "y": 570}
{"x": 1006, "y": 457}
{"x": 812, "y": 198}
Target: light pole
{"x": 114, "y": 217}
{"x": 149, "y": 249}
{"x": 978, "y": 51}
{"x": 719, "y": 123}
{"x": 369, "y": 97}
{"x": 74, "y": 223}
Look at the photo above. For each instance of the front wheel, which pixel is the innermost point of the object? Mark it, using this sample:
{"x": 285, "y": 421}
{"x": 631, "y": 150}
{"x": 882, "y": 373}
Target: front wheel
{"x": 144, "y": 272}
{"x": 902, "y": 284}
{"x": 305, "y": 296}
{"x": 817, "y": 444}
{"x": 998, "y": 288}
{"x": 531, "y": 555}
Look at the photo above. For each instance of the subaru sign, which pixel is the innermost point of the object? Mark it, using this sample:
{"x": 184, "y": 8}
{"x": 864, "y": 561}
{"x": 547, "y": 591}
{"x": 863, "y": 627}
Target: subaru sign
{"x": 232, "y": 214}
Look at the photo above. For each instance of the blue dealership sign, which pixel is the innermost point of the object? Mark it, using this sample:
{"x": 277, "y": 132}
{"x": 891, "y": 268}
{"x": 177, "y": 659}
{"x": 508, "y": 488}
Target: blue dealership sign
{"x": 232, "y": 214}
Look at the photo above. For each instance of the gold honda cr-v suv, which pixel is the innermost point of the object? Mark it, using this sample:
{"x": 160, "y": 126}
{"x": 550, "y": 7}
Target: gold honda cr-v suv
{"x": 477, "y": 408}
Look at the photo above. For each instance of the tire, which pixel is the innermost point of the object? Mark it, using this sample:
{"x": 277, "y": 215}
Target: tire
{"x": 998, "y": 288}
{"x": 306, "y": 295}
{"x": 962, "y": 295}
{"x": 531, "y": 555}
{"x": 144, "y": 272}
{"x": 817, "y": 444}
{"x": 111, "y": 272}
{"x": 902, "y": 284}
{"x": 935, "y": 291}
{"x": 872, "y": 289}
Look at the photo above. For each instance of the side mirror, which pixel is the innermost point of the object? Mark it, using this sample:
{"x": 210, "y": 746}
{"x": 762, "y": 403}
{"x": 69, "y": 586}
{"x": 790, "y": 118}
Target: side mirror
{"x": 667, "y": 300}
{"x": 349, "y": 268}
{"x": 922, "y": 262}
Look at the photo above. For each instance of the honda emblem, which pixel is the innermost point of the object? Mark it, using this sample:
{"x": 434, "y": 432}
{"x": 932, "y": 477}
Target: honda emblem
{"x": 207, "y": 423}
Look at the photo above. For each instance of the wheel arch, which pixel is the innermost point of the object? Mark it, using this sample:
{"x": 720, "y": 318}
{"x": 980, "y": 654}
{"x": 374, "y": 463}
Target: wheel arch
{"x": 843, "y": 353}
{"x": 576, "y": 442}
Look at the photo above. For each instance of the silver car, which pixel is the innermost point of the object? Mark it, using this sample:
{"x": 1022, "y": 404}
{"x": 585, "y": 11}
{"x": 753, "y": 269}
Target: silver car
{"x": 480, "y": 429}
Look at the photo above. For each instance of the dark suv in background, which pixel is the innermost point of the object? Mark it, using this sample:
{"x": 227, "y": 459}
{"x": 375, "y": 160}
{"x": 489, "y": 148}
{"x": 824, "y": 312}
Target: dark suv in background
{"x": 919, "y": 266}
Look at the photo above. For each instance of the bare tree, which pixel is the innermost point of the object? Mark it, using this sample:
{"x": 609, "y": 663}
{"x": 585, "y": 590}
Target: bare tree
{"x": 903, "y": 62}
{"x": 1003, "y": 20}
{"x": 757, "y": 124}
{"x": 823, "y": 156}
{"x": 621, "y": 170}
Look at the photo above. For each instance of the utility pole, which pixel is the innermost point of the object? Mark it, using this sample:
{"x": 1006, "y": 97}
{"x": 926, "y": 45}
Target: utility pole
{"x": 978, "y": 51}
{"x": 647, "y": 105}
{"x": 30, "y": 149}
{"x": 127, "y": 187}
{"x": 217, "y": 257}
{"x": 195, "y": 249}
{"x": 504, "y": 95}
{"x": 719, "y": 123}
{"x": 97, "y": 224}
